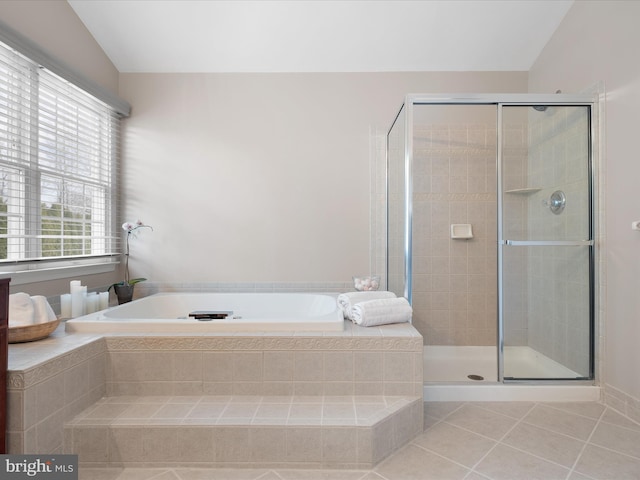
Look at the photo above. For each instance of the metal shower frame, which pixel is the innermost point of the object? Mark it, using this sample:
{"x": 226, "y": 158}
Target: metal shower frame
{"x": 499, "y": 100}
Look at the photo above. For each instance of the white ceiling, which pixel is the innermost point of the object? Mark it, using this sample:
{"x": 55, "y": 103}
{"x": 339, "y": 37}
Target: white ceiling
{"x": 321, "y": 36}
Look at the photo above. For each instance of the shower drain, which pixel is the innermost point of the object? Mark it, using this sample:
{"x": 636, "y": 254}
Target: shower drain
{"x": 475, "y": 377}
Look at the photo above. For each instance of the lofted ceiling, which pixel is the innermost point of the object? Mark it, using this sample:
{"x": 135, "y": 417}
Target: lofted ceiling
{"x": 321, "y": 35}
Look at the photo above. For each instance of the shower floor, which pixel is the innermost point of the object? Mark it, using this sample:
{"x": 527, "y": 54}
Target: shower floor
{"x": 454, "y": 364}
{"x": 446, "y": 371}
{"x": 457, "y": 364}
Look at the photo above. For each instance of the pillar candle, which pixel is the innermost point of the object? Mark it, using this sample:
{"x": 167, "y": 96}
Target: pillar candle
{"x": 77, "y": 301}
{"x": 65, "y": 305}
{"x": 91, "y": 302}
{"x": 103, "y": 300}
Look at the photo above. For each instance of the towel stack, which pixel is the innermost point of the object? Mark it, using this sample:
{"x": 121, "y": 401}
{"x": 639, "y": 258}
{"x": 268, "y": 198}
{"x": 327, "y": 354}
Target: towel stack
{"x": 374, "y": 308}
{"x": 25, "y": 310}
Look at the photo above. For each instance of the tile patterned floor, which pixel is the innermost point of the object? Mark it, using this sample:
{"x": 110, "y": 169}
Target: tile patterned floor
{"x": 347, "y": 410}
{"x": 474, "y": 441}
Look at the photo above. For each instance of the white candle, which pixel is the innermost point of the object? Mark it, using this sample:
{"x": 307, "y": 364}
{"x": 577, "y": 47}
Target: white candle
{"x": 65, "y": 305}
{"x": 77, "y": 301}
{"x": 91, "y": 302}
{"x": 103, "y": 300}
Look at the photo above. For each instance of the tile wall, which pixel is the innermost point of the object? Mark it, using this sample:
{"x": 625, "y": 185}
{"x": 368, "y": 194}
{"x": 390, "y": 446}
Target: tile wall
{"x": 559, "y": 283}
{"x": 53, "y": 380}
{"x": 347, "y": 364}
{"x": 41, "y": 397}
{"x": 454, "y": 281}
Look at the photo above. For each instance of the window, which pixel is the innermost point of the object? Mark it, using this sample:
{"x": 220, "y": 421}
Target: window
{"x": 58, "y": 158}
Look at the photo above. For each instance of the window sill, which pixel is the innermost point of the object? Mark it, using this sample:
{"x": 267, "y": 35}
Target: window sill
{"x": 24, "y": 276}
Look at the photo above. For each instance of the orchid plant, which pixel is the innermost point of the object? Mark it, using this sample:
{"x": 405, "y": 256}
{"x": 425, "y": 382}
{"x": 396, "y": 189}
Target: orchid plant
{"x": 132, "y": 232}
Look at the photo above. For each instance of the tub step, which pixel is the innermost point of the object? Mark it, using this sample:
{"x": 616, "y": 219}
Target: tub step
{"x": 243, "y": 431}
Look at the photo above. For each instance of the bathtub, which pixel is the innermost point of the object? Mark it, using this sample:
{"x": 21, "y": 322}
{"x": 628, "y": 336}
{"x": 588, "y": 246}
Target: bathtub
{"x": 242, "y": 312}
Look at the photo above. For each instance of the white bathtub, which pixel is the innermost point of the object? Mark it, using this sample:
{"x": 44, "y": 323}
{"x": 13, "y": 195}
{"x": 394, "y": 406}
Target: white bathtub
{"x": 249, "y": 312}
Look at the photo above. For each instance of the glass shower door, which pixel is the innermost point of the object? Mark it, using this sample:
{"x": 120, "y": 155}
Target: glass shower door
{"x": 396, "y": 208}
{"x": 546, "y": 242}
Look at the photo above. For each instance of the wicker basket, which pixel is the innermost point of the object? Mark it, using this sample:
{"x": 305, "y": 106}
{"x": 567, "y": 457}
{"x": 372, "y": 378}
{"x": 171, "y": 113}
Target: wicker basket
{"x": 31, "y": 333}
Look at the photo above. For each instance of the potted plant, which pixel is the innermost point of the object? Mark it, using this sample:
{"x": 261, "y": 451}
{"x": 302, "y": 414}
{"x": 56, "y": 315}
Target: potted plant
{"x": 124, "y": 289}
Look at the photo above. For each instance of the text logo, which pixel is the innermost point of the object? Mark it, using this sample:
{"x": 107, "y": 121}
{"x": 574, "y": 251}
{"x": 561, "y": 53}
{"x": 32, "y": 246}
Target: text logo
{"x": 39, "y": 467}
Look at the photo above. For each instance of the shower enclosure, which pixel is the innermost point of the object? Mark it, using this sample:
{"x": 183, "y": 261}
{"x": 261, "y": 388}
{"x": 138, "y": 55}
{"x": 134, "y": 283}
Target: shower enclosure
{"x": 490, "y": 234}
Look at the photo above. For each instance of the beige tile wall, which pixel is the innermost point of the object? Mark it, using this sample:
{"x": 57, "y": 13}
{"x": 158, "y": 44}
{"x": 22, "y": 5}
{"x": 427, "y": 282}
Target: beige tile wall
{"x": 51, "y": 384}
{"x": 41, "y": 398}
{"x": 244, "y": 431}
{"x": 454, "y": 281}
{"x": 558, "y": 310}
{"x": 622, "y": 402}
{"x": 350, "y": 365}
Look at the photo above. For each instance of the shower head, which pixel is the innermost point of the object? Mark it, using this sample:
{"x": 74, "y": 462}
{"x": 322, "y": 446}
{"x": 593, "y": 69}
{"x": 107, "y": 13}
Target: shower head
{"x": 543, "y": 108}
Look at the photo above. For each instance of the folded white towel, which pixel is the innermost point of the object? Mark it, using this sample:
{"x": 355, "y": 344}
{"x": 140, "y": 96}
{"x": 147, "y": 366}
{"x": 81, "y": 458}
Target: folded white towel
{"x": 43, "y": 312}
{"x": 347, "y": 300}
{"x": 21, "y": 310}
{"x": 382, "y": 311}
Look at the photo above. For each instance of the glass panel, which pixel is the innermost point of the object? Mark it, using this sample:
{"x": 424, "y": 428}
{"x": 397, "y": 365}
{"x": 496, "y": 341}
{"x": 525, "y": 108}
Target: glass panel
{"x": 545, "y": 173}
{"x": 455, "y": 279}
{"x": 546, "y": 252}
{"x": 546, "y": 311}
{"x": 396, "y": 216}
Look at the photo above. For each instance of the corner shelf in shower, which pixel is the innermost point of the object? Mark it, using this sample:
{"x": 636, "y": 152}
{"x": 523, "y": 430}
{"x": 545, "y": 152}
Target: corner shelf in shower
{"x": 523, "y": 191}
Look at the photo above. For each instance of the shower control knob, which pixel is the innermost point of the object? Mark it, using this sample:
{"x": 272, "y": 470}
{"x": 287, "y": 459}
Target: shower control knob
{"x": 556, "y": 202}
{"x": 635, "y": 225}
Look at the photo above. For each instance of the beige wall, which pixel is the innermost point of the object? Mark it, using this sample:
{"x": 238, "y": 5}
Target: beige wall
{"x": 596, "y": 42}
{"x": 244, "y": 177}
{"x": 56, "y": 28}
{"x": 262, "y": 177}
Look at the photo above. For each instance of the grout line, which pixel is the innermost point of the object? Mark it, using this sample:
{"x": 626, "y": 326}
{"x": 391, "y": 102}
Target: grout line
{"x": 617, "y": 452}
{"x": 499, "y": 441}
{"x": 268, "y": 472}
{"x": 163, "y": 473}
{"x": 562, "y": 433}
{"x": 473, "y": 472}
{"x": 538, "y": 457}
{"x": 586, "y": 443}
{"x": 367, "y": 473}
{"x": 563, "y": 410}
{"x": 193, "y": 407}
{"x": 443, "y": 457}
{"x": 636, "y": 430}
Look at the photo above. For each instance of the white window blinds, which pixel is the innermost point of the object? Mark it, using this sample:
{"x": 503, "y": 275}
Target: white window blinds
{"x": 58, "y": 157}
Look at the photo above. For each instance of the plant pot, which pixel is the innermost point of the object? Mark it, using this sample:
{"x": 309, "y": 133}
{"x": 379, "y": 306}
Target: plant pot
{"x": 124, "y": 293}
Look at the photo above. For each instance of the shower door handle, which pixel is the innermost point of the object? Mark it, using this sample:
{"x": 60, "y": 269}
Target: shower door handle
{"x": 545, "y": 243}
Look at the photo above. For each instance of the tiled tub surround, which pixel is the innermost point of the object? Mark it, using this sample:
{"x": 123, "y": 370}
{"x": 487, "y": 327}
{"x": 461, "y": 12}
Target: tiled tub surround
{"x": 49, "y": 382}
{"x": 243, "y": 431}
{"x": 358, "y": 361}
{"x": 336, "y": 400}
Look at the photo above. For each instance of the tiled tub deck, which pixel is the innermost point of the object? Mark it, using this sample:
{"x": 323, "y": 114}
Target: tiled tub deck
{"x": 338, "y": 400}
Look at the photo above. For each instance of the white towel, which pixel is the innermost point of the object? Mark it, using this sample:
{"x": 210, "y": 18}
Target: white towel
{"x": 382, "y": 311}
{"x": 43, "y": 312}
{"x": 347, "y": 300}
{"x": 21, "y": 310}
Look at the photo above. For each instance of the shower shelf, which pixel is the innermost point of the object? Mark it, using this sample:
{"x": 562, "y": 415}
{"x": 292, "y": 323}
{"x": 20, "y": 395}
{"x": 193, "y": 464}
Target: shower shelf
{"x": 523, "y": 191}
